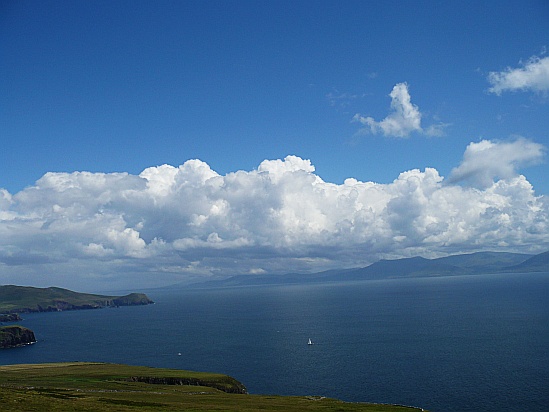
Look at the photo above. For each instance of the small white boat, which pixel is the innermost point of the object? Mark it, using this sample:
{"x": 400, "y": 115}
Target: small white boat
{"x": 310, "y": 342}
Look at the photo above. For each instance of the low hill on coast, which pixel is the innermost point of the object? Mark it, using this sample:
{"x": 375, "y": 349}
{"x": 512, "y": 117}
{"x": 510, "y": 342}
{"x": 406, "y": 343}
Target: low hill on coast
{"x": 25, "y": 299}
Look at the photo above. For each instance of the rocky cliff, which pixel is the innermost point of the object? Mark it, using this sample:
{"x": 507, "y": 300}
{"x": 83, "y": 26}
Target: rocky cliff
{"x": 10, "y": 317}
{"x": 131, "y": 300}
{"x": 227, "y": 384}
{"x": 13, "y": 336}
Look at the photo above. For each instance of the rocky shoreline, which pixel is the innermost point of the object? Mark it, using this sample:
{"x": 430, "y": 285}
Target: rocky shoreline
{"x": 10, "y": 317}
{"x": 15, "y": 336}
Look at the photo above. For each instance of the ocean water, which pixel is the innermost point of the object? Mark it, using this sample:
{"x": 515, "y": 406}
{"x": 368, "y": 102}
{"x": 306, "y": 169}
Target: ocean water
{"x": 467, "y": 343}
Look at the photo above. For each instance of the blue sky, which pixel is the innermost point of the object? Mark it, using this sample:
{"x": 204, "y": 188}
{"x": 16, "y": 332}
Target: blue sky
{"x": 124, "y": 86}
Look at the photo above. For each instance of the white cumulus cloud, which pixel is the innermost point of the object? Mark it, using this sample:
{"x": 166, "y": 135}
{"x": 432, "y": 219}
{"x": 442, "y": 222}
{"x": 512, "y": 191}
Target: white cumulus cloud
{"x": 404, "y": 119}
{"x": 532, "y": 76}
{"x": 171, "y": 224}
{"x": 487, "y": 160}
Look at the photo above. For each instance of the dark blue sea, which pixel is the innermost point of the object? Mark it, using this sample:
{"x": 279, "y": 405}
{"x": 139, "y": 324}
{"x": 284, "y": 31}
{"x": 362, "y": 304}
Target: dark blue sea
{"x": 467, "y": 343}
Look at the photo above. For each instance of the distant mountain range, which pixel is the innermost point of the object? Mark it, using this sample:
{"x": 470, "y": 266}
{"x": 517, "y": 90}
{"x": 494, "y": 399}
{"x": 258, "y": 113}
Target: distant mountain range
{"x": 466, "y": 264}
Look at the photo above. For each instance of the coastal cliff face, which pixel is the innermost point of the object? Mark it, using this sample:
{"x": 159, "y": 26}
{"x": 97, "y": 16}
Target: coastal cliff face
{"x": 9, "y": 317}
{"x": 59, "y": 305}
{"x": 227, "y": 384}
{"x": 14, "y": 336}
{"x": 131, "y": 300}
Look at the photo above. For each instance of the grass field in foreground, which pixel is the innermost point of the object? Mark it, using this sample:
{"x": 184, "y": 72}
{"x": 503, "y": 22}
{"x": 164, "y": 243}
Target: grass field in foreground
{"x": 81, "y": 386}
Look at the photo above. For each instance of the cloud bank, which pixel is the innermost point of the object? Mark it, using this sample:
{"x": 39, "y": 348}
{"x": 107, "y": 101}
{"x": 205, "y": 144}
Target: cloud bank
{"x": 170, "y": 224}
{"x": 404, "y": 118}
{"x": 532, "y": 76}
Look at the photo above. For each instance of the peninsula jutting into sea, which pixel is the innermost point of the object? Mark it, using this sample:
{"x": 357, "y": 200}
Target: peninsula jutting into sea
{"x": 25, "y": 299}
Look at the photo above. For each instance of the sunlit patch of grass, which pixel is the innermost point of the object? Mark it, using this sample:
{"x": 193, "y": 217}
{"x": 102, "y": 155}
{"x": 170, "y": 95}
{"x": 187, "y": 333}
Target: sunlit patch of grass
{"x": 108, "y": 387}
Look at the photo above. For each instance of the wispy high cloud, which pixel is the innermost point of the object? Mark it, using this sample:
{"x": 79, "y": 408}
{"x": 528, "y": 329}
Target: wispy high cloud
{"x": 532, "y": 76}
{"x": 404, "y": 119}
{"x": 341, "y": 100}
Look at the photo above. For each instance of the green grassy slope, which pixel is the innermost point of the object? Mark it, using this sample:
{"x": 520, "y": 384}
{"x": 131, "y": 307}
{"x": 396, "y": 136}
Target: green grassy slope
{"x": 30, "y": 299}
{"x": 109, "y": 387}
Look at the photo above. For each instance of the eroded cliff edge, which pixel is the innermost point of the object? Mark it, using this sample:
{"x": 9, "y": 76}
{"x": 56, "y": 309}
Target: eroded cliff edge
{"x": 14, "y": 336}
